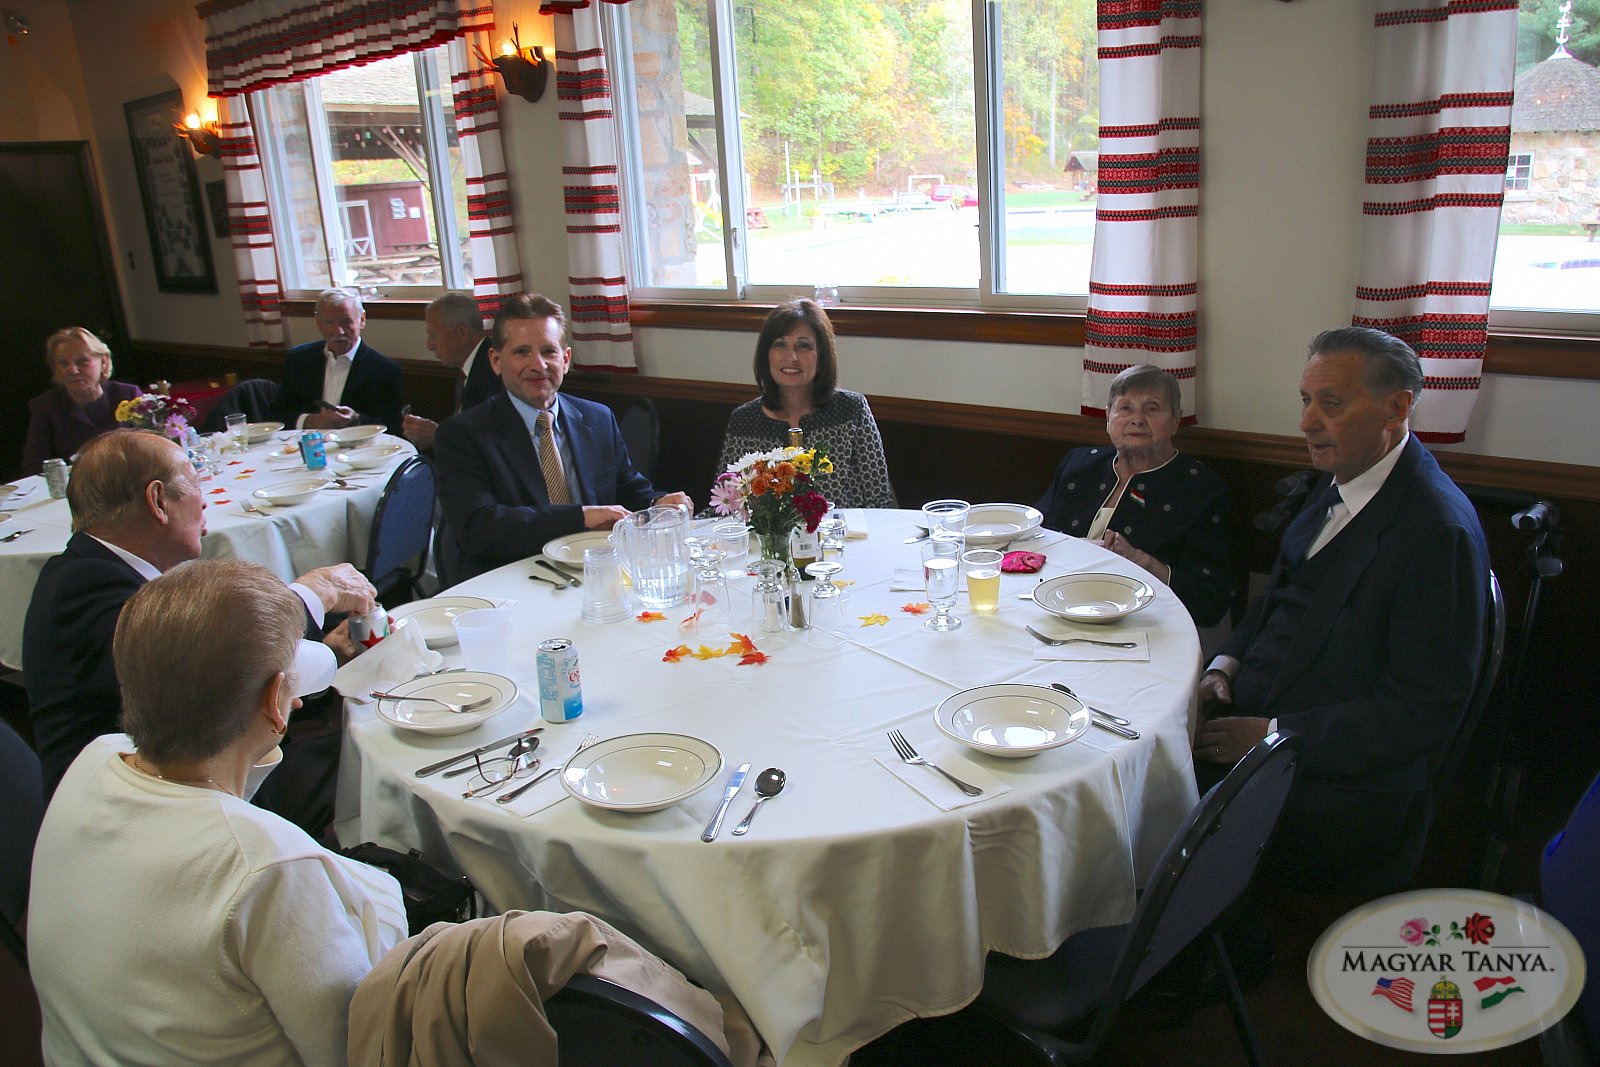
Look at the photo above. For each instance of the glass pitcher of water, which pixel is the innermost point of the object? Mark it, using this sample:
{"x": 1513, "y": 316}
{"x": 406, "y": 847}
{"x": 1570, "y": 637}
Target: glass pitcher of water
{"x": 652, "y": 548}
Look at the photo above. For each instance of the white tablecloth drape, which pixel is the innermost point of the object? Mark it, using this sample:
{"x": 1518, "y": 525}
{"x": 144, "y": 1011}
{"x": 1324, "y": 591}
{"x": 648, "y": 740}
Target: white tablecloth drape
{"x": 333, "y": 526}
{"x": 854, "y": 903}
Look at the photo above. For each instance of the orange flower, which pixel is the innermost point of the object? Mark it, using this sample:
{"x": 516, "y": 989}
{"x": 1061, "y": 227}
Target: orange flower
{"x": 784, "y": 469}
{"x": 783, "y": 486}
{"x": 675, "y": 654}
{"x": 650, "y": 616}
{"x": 753, "y": 657}
{"x": 760, "y": 484}
{"x": 914, "y": 609}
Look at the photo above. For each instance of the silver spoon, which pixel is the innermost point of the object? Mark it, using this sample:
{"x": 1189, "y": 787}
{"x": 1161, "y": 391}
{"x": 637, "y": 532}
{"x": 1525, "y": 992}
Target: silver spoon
{"x": 14, "y": 534}
{"x": 768, "y": 785}
{"x": 1047, "y": 639}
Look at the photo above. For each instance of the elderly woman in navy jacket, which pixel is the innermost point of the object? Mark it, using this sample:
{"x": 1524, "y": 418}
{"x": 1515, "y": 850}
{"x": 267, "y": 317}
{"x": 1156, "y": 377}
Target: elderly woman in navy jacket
{"x": 82, "y": 404}
{"x": 1145, "y": 502}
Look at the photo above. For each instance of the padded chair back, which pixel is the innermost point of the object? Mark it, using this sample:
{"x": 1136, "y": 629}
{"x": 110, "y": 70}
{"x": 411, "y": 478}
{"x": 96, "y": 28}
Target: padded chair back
{"x": 22, "y": 801}
{"x": 253, "y": 397}
{"x": 600, "y": 1024}
{"x": 1207, "y": 866}
{"x": 641, "y": 432}
{"x": 1494, "y": 648}
{"x": 402, "y": 527}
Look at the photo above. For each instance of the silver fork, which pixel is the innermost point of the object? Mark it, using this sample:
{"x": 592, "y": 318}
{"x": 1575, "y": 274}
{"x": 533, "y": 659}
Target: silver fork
{"x": 909, "y": 755}
{"x": 14, "y": 534}
{"x": 1047, "y": 639}
{"x": 251, "y": 509}
{"x": 456, "y": 709}
{"x": 568, "y": 581}
{"x": 507, "y": 797}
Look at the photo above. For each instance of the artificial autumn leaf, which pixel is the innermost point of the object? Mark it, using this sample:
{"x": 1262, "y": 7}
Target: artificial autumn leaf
{"x": 650, "y": 616}
{"x": 874, "y": 620}
{"x": 753, "y": 657}
{"x": 914, "y": 609}
{"x": 218, "y": 492}
{"x": 707, "y": 652}
{"x": 675, "y": 654}
{"x": 248, "y": 470}
{"x": 235, "y": 462}
{"x": 741, "y": 646}
{"x": 689, "y": 621}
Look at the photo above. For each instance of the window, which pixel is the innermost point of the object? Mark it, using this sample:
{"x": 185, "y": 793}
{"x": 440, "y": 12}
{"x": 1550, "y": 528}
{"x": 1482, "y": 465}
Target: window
{"x": 899, "y": 150}
{"x": 365, "y": 178}
{"x": 1547, "y": 267}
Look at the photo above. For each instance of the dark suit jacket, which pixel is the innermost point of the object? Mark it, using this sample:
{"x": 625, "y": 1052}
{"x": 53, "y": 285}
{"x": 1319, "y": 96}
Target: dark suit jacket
{"x": 482, "y": 381}
{"x": 491, "y": 491}
{"x": 1181, "y": 521}
{"x": 66, "y": 651}
{"x": 1381, "y": 667}
{"x": 57, "y": 427}
{"x": 372, "y": 389}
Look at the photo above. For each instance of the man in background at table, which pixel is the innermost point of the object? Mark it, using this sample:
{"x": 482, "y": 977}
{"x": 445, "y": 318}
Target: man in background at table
{"x": 456, "y": 339}
{"x": 137, "y": 511}
{"x": 340, "y": 380}
{"x": 1368, "y": 639}
{"x": 530, "y": 464}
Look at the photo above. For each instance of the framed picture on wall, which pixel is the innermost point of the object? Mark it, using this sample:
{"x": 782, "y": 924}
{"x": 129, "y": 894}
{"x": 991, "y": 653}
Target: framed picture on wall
{"x": 171, "y": 195}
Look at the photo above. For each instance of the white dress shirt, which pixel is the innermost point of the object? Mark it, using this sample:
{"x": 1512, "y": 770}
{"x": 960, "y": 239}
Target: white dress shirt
{"x": 335, "y": 372}
{"x": 149, "y": 573}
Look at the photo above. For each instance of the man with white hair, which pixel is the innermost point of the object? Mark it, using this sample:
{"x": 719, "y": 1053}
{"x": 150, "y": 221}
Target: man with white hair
{"x": 457, "y": 339}
{"x": 340, "y": 380}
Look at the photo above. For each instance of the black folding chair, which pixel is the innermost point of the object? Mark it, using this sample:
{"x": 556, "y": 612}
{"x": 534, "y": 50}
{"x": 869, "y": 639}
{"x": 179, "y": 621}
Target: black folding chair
{"x": 1064, "y": 1005}
{"x": 402, "y": 527}
{"x": 253, "y": 397}
{"x": 600, "y": 1024}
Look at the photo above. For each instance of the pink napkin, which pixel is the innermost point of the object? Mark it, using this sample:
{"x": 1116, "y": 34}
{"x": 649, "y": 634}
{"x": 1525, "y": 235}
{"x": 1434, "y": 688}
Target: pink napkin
{"x": 1021, "y": 562}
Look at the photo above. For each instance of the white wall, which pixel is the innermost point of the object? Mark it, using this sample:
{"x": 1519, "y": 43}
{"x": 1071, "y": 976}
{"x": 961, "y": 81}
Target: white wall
{"x": 1284, "y": 111}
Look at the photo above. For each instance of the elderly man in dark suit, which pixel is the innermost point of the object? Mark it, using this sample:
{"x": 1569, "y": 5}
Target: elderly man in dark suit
{"x": 137, "y": 511}
{"x": 1368, "y": 639}
{"x": 456, "y": 339}
{"x": 530, "y": 464}
{"x": 340, "y": 380}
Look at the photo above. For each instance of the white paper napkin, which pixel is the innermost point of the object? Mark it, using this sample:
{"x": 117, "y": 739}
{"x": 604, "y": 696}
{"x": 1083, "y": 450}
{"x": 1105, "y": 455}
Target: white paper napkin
{"x": 1081, "y": 651}
{"x": 398, "y": 658}
{"x": 937, "y": 788}
{"x": 906, "y": 580}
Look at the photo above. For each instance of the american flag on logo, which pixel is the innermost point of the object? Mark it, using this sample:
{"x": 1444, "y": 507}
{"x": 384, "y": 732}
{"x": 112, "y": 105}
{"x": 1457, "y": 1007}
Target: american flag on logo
{"x": 1398, "y": 990}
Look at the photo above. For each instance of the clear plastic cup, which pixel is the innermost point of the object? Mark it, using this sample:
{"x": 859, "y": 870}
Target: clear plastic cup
{"x": 485, "y": 637}
{"x": 603, "y": 599}
{"x": 983, "y": 579}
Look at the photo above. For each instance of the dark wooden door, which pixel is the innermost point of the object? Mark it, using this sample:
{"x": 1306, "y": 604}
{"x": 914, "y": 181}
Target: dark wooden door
{"x": 55, "y": 270}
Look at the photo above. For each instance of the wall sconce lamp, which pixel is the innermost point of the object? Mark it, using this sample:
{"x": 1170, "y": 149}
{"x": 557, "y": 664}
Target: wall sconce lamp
{"x": 525, "y": 70}
{"x": 205, "y": 137}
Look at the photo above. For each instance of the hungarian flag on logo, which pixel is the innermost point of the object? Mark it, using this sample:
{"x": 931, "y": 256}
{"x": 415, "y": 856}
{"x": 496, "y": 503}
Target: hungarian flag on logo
{"x": 1485, "y": 984}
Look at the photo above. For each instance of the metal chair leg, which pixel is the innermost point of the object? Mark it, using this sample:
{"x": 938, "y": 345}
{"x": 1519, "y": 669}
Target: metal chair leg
{"x": 1241, "y": 1016}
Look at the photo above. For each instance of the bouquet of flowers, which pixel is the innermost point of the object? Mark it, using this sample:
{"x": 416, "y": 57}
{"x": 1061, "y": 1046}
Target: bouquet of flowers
{"x": 774, "y": 492}
{"x": 168, "y": 415}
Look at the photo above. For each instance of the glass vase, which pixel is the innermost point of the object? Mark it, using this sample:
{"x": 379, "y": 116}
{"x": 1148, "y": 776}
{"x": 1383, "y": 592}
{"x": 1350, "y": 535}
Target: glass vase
{"x": 774, "y": 545}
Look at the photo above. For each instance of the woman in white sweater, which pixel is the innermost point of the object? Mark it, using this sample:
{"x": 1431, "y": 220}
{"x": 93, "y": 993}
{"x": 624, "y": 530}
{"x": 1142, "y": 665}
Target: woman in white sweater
{"x": 170, "y": 920}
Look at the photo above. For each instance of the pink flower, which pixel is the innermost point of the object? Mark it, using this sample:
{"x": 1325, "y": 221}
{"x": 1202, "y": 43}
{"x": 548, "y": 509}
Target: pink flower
{"x": 725, "y": 496}
{"x": 1412, "y": 931}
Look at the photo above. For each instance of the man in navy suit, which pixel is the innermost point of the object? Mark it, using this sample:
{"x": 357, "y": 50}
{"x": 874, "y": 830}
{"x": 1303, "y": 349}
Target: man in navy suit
{"x": 341, "y": 380}
{"x": 530, "y": 464}
{"x": 456, "y": 339}
{"x": 1368, "y": 639}
{"x": 138, "y": 511}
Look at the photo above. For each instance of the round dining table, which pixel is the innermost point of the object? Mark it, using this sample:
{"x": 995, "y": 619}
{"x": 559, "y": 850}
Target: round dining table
{"x": 332, "y": 526}
{"x": 868, "y": 891}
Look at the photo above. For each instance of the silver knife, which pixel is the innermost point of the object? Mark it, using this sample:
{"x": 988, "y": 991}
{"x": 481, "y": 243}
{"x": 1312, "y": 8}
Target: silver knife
{"x": 1111, "y": 727}
{"x": 565, "y": 576}
{"x": 1106, "y": 715}
{"x": 715, "y": 825}
{"x": 434, "y": 768}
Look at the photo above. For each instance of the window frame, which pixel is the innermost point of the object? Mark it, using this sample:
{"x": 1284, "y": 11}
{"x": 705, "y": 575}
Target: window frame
{"x": 435, "y": 109}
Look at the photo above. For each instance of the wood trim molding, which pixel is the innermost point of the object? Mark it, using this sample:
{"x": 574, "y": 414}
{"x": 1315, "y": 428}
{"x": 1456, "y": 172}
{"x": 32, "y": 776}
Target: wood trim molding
{"x": 1543, "y": 356}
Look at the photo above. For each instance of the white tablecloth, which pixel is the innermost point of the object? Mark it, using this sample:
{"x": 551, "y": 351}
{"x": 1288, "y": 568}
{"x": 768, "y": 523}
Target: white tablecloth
{"x": 331, "y": 527}
{"x": 854, "y": 903}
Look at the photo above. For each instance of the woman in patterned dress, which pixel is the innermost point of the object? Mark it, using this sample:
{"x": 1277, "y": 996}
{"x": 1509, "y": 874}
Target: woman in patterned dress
{"x": 797, "y": 371}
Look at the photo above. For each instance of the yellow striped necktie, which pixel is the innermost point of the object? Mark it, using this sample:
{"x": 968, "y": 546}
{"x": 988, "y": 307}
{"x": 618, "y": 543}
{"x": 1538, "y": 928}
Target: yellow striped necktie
{"x": 555, "y": 476}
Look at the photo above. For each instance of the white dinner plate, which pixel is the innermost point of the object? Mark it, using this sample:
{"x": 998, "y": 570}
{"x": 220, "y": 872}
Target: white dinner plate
{"x": 569, "y": 549}
{"x": 368, "y": 458}
{"x": 284, "y": 461}
{"x": 292, "y": 491}
{"x": 989, "y": 525}
{"x": 436, "y": 617}
{"x": 256, "y": 432}
{"x": 1011, "y": 721}
{"x": 458, "y": 687}
{"x": 1092, "y": 598}
{"x": 641, "y": 772}
{"x": 353, "y": 436}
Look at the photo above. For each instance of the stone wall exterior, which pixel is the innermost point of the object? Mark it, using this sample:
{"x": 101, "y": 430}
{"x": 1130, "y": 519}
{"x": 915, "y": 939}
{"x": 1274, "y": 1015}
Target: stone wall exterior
{"x": 1565, "y": 185}
{"x": 663, "y": 143}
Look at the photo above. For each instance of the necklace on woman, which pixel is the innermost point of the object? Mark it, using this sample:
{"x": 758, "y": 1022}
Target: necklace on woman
{"x": 204, "y": 783}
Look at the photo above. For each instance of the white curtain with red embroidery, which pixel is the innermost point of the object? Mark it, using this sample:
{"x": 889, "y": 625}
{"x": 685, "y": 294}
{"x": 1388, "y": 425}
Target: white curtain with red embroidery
{"x": 597, "y": 312}
{"x": 250, "y": 229}
{"x": 1437, "y": 140}
{"x": 492, "y": 232}
{"x": 1143, "y": 279}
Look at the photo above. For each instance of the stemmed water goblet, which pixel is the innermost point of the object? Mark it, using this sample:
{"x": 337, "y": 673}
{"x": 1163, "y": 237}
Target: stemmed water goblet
{"x": 941, "y": 575}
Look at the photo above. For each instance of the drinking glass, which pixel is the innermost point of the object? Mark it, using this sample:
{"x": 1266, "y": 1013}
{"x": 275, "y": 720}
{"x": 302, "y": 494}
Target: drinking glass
{"x": 712, "y": 613}
{"x": 941, "y": 574}
{"x": 830, "y": 535}
{"x": 770, "y": 600}
{"x": 485, "y": 637}
{"x": 946, "y": 516}
{"x": 734, "y": 540}
{"x": 238, "y": 430}
{"x": 983, "y": 579}
{"x": 602, "y": 586}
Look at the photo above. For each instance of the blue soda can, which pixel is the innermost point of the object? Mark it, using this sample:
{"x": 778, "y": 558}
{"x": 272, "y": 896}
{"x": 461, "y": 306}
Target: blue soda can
{"x": 560, "y": 690}
{"x": 311, "y": 450}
